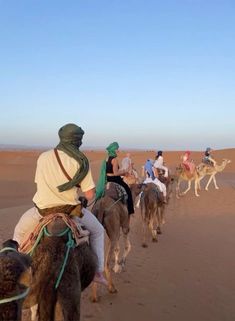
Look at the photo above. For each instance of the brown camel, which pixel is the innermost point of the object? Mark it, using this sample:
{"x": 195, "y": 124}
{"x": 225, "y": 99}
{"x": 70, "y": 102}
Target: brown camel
{"x": 131, "y": 179}
{"x": 182, "y": 174}
{"x": 204, "y": 170}
{"x": 168, "y": 181}
{"x": 152, "y": 209}
{"x": 112, "y": 212}
{"x": 15, "y": 279}
{"x": 61, "y": 271}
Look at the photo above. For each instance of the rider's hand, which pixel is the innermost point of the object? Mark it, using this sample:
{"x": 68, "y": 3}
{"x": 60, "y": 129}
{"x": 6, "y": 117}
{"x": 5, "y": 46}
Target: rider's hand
{"x": 83, "y": 201}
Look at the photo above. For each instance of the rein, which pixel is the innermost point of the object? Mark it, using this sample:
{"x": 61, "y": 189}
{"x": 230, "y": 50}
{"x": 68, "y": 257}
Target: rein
{"x": 8, "y": 249}
{"x": 107, "y": 209}
{"x": 70, "y": 244}
{"x": 16, "y": 297}
{"x": 91, "y": 203}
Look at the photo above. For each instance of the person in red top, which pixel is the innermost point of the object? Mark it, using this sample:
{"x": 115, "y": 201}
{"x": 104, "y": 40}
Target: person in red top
{"x": 189, "y": 165}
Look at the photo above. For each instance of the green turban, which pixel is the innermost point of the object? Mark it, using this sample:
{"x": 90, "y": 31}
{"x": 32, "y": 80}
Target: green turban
{"x": 100, "y": 187}
{"x": 70, "y": 140}
{"x": 112, "y": 148}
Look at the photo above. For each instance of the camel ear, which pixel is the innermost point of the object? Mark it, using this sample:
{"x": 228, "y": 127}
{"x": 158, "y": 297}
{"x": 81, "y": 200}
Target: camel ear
{"x": 26, "y": 278}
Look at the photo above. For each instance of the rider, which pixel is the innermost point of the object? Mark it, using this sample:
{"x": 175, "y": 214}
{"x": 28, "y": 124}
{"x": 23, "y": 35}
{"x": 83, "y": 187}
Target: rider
{"x": 148, "y": 169}
{"x": 126, "y": 163}
{"x": 160, "y": 185}
{"x": 59, "y": 175}
{"x": 189, "y": 165}
{"x": 110, "y": 172}
{"x": 208, "y": 159}
{"x": 159, "y": 163}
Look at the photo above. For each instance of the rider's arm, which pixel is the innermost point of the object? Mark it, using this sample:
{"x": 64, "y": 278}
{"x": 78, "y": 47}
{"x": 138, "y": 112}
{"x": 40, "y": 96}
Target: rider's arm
{"x": 90, "y": 194}
{"x": 116, "y": 170}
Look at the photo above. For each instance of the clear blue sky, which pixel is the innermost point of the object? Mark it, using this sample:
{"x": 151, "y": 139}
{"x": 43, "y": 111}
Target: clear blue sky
{"x": 146, "y": 73}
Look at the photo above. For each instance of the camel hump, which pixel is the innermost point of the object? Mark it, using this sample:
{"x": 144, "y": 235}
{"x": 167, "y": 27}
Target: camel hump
{"x": 116, "y": 192}
{"x": 153, "y": 189}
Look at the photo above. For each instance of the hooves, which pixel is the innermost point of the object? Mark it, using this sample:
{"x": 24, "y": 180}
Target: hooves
{"x": 154, "y": 240}
{"x": 94, "y": 299}
{"x": 144, "y": 245}
{"x": 112, "y": 290}
{"x": 117, "y": 268}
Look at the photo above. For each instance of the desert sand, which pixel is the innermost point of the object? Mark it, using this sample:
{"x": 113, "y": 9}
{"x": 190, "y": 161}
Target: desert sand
{"x": 187, "y": 275}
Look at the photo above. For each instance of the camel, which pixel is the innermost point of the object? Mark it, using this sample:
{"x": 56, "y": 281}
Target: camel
{"x": 61, "y": 270}
{"x": 15, "y": 280}
{"x": 182, "y": 174}
{"x": 131, "y": 178}
{"x": 112, "y": 212}
{"x": 152, "y": 209}
{"x": 204, "y": 170}
{"x": 168, "y": 181}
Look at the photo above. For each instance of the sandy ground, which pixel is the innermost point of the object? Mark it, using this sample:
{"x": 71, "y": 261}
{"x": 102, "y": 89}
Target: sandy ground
{"x": 187, "y": 275}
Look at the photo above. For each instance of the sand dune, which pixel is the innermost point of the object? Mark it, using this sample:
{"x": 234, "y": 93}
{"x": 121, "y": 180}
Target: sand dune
{"x": 187, "y": 275}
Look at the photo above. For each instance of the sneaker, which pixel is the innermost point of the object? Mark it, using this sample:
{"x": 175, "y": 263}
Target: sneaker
{"x": 99, "y": 278}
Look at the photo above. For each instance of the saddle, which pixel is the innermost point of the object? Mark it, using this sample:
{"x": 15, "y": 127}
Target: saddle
{"x": 79, "y": 234}
{"x": 162, "y": 178}
{"x": 185, "y": 167}
{"x": 116, "y": 192}
{"x": 207, "y": 162}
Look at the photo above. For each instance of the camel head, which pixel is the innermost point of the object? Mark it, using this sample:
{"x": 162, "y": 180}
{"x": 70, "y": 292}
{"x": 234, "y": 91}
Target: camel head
{"x": 226, "y": 161}
{"x": 220, "y": 168}
{"x": 14, "y": 268}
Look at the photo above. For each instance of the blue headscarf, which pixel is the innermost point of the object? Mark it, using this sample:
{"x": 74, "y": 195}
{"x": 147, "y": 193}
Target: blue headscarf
{"x": 148, "y": 167}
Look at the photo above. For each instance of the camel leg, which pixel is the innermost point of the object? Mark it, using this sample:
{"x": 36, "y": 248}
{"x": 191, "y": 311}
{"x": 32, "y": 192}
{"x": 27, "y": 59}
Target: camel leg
{"x": 108, "y": 260}
{"x": 199, "y": 183}
{"x": 214, "y": 180}
{"x": 144, "y": 243}
{"x": 161, "y": 214}
{"x": 107, "y": 268}
{"x": 208, "y": 183}
{"x": 46, "y": 306}
{"x": 116, "y": 250}
{"x": 127, "y": 248}
{"x": 94, "y": 296}
{"x": 70, "y": 305}
{"x": 153, "y": 229}
{"x": 177, "y": 190}
{"x": 34, "y": 312}
{"x": 212, "y": 177}
{"x": 159, "y": 219}
{"x": 196, "y": 187}
{"x": 187, "y": 189}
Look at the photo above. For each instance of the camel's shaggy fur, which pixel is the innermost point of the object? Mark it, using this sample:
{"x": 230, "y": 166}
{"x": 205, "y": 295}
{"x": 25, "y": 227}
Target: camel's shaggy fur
{"x": 114, "y": 216}
{"x": 15, "y": 278}
{"x": 152, "y": 209}
{"x": 79, "y": 272}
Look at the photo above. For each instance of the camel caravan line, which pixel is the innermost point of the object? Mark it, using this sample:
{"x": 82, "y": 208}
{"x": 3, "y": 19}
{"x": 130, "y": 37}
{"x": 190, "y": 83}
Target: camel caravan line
{"x": 201, "y": 171}
{"x": 56, "y": 263}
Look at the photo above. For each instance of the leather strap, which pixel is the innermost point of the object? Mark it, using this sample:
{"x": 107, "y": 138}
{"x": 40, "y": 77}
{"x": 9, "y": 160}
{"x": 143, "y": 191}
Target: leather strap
{"x": 61, "y": 165}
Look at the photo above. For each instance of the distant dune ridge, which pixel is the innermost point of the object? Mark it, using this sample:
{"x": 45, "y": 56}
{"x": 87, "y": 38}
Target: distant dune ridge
{"x": 187, "y": 275}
